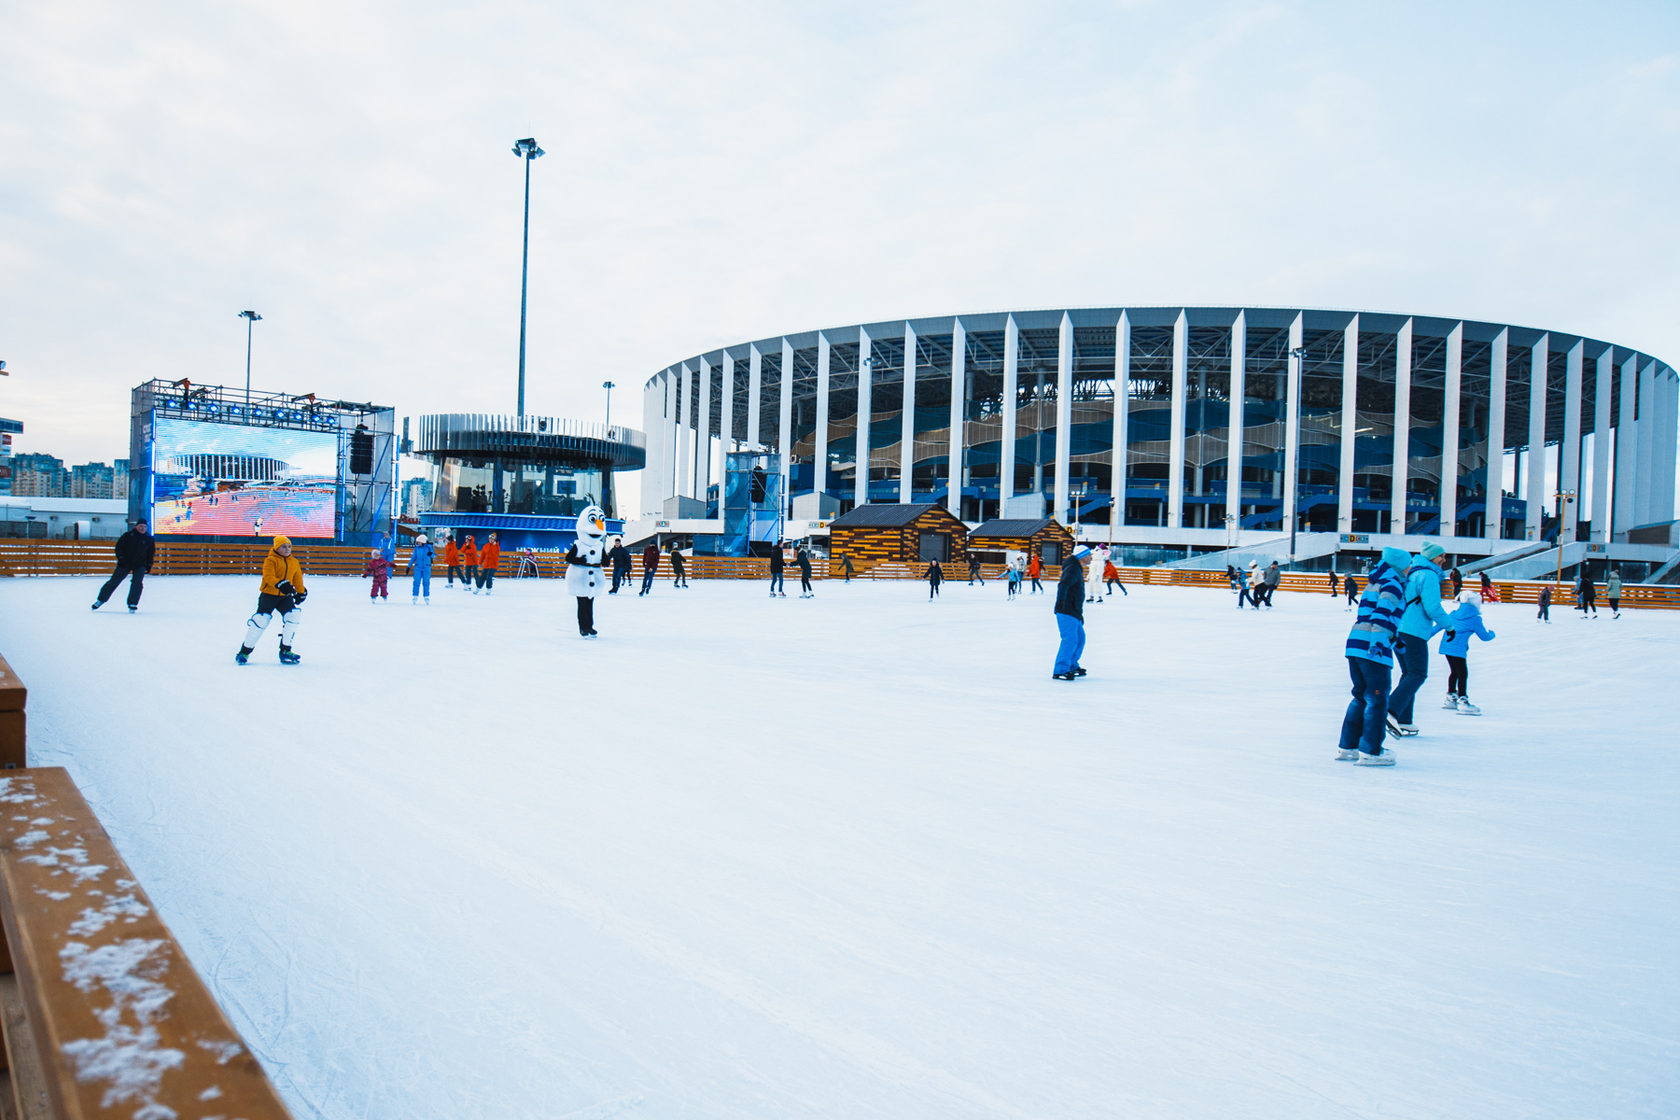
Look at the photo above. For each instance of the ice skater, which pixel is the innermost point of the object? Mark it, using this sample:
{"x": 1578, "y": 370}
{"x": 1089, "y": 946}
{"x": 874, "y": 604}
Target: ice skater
{"x": 935, "y": 575}
{"x": 1269, "y": 584}
{"x": 1239, "y": 581}
{"x": 282, "y": 590}
{"x": 1613, "y": 592}
{"x": 469, "y": 563}
{"x": 679, "y": 573}
{"x": 584, "y": 577}
{"x": 1467, "y": 621}
{"x": 803, "y": 559}
{"x": 778, "y": 572}
{"x": 1351, "y": 584}
{"x": 1035, "y": 568}
{"x": 1544, "y": 614}
{"x": 380, "y": 569}
{"x": 619, "y": 558}
{"x": 650, "y": 565}
{"x": 489, "y": 560}
{"x": 1070, "y": 617}
{"x": 1586, "y": 594}
{"x": 452, "y": 560}
{"x": 1370, "y": 655}
{"x": 1111, "y": 577}
{"x": 1422, "y": 618}
{"x": 1490, "y": 593}
{"x": 135, "y": 551}
{"x": 420, "y": 563}
{"x": 846, "y": 568}
{"x": 1093, "y": 577}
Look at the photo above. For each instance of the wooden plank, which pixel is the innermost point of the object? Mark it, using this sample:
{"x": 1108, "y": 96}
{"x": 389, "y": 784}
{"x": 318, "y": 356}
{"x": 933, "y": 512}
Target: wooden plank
{"x": 123, "y": 1023}
{"x": 14, "y": 739}
{"x": 13, "y": 695}
{"x": 26, "y": 1093}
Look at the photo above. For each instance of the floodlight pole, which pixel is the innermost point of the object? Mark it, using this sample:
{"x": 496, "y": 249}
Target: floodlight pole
{"x": 1564, "y": 497}
{"x": 526, "y": 150}
{"x": 608, "y": 386}
{"x": 250, "y": 318}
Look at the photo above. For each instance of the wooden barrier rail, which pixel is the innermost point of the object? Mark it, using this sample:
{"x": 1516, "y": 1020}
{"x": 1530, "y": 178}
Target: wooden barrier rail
{"x": 13, "y": 722}
{"x": 20, "y": 557}
{"x": 103, "y": 1015}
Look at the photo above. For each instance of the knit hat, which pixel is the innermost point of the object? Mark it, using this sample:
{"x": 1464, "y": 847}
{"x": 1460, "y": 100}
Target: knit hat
{"x": 282, "y": 542}
{"x": 1081, "y": 552}
{"x": 1431, "y": 550}
{"x": 421, "y": 539}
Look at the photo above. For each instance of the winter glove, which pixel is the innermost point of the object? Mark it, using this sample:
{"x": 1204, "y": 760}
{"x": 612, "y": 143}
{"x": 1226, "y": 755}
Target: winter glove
{"x": 1492, "y": 635}
{"x": 298, "y": 598}
{"x": 285, "y": 587}
{"x": 1451, "y": 634}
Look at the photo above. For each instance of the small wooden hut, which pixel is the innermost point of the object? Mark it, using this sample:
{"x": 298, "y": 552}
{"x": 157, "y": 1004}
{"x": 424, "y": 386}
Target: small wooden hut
{"x": 903, "y": 533}
{"x": 995, "y": 539}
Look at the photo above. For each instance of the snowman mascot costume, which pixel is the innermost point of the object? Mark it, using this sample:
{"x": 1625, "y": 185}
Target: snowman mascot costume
{"x": 583, "y": 566}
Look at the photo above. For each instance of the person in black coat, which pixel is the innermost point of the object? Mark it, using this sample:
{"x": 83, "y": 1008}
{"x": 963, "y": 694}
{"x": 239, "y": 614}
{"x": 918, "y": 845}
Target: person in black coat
{"x": 1070, "y": 617}
{"x": 777, "y": 566}
{"x": 619, "y": 558}
{"x": 935, "y": 576}
{"x": 803, "y": 559}
{"x": 135, "y": 551}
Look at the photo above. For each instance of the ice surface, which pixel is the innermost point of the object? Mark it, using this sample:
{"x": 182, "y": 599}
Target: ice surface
{"x": 859, "y": 856}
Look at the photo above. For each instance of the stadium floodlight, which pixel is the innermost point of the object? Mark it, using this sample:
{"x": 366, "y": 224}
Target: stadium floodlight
{"x": 527, "y": 150}
{"x": 250, "y": 318}
{"x": 608, "y": 386}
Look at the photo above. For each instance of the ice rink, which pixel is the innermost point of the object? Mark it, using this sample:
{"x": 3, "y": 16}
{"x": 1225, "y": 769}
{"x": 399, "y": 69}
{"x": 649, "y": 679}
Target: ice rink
{"x": 860, "y": 857}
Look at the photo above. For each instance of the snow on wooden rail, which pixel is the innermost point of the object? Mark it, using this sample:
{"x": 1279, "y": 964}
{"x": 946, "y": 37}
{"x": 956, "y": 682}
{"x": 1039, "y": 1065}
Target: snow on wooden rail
{"x": 103, "y": 1014}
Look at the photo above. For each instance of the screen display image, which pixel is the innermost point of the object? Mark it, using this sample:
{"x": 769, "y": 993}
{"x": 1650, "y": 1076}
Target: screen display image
{"x": 230, "y": 480}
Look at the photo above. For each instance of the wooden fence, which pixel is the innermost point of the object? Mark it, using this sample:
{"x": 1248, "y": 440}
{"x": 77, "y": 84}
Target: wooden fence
{"x": 20, "y": 557}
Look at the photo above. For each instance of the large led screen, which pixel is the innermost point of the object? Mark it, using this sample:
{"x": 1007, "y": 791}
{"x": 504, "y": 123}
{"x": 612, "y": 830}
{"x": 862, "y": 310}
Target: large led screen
{"x": 229, "y": 480}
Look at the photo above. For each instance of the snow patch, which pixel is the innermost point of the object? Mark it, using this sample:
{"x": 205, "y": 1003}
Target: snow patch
{"x": 56, "y": 896}
{"x": 129, "y": 1060}
{"x": 210, "y": 1094}
{"x": 73, "y": 860}
{"x": 126, "y": 907}
{"x": 33, "y": 837}
{"x": 225, "y": 1052}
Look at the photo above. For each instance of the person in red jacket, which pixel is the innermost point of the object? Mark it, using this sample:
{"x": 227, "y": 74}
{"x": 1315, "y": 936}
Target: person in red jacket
{"x": 488, "y": 561}
{"x": 452, "y": 558}
{"x": 469, "y": 561}
{"x": 650, "y": 565}
{"x": 1035, "y": 568}
{"x": 380, "y": 569}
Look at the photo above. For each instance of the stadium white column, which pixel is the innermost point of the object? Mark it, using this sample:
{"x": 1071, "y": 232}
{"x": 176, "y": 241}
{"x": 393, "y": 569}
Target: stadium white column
{"x": 668, "y": 461}
{"x": 1448, "y": 487}
{"x": 685, "y": 464}
{"x": 1601, "y": 445}
{"x": 957, "y": 443}
{"x": 755, "y": 389}
{"x": 1292, "y": 422}
{"x": 1493, "y": 485}
{"x": 1350, "y": 427}
{"x": 1234, "y": 423}
{"x": 1064, "y": 414}
{"x": 865, "y": 413}
{"x": 1402, "y": 429}
{"x": 1175, "y": 464}
{"x": 907, "y": 430}
{"x": 1569, "y": 452}
{"x": 819, "y": 460}
{"x": 1627, "y": 451}
{"x": 703, "y": 433}
{"x": 653, "y": 409}
{"x": 1006, "y": 445}
{"x": 784, "y": 429}
{"x": 1120, "y": 457}
{"x": 1537, "y": 494}
{"x": 1646, "y": 427}
{"x": 726, "y": 413}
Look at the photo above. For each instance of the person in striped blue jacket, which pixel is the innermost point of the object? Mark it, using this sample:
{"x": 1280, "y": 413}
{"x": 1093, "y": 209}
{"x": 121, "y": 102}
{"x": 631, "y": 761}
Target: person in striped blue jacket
{"x": 1370, "y": 658}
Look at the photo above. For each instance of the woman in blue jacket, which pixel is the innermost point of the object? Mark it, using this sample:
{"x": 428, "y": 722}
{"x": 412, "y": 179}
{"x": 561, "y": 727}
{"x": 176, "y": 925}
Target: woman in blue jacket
{"x": 1369, "y": 650}
{"x": 1423, "y": 617}
{"x": 1466, "y": 620}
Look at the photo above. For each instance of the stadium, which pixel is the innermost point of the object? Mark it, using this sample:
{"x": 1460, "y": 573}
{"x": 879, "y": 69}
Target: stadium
{"x": 1350, "y": 428}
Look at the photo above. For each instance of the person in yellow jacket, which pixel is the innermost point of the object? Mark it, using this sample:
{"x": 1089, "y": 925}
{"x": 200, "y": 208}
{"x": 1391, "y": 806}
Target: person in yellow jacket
{"x": 489, "y": 558}
{"x": 282, "y": 590}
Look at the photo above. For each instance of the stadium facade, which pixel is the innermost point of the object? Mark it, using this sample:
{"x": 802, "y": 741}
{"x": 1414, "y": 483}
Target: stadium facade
{"x": 1388, "y": 424}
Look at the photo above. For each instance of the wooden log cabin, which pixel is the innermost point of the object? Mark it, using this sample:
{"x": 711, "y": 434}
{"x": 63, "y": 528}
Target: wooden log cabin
{"x": 993, "y": 540}
{"x": 894, "y": 532}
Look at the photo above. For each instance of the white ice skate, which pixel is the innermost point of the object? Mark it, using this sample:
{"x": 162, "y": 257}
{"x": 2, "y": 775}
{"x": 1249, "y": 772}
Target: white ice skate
{"x": 1401, "y": 730}
{"x": 1465, "y": 708}
{"x": 1383, "y": 757}
{"x": 1346, "y": 756}
{"x": 1450, "y": 703}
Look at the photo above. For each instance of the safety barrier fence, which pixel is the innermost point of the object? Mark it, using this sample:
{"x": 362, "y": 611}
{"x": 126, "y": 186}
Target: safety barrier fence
{"x": 20, "y": 557}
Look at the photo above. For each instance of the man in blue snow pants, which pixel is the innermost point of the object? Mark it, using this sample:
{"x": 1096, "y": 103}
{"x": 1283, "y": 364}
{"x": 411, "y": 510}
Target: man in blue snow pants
{"x": 1070, "y": 616}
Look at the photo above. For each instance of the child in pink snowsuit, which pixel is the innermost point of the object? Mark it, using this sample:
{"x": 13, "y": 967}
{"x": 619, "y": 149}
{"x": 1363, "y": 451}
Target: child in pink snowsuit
{"x": 380, "y": 569}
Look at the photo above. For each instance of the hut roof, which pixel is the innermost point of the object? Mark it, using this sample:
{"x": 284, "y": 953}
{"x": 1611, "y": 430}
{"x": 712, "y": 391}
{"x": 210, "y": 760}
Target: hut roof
{"x": 882, "y": 515}
{"x": 998, "y": 527}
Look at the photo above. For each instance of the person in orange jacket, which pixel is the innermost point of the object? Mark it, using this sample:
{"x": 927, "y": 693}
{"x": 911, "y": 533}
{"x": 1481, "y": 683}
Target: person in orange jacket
{"x": 469, "y": 561}
{"x": 282, "y": 590}
{"x": 488, "y": 561}
{"x": 452, "y": 558}
{"x": 1111, "y": 578}
{"x": 1035, "y": 568}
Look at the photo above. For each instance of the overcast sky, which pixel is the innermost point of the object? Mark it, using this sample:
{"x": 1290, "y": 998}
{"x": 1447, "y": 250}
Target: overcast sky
{"x": 722, "y": 172}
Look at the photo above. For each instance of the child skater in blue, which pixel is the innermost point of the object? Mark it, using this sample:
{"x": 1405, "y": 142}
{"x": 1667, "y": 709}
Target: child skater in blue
{"x": 1467, "y": 620}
